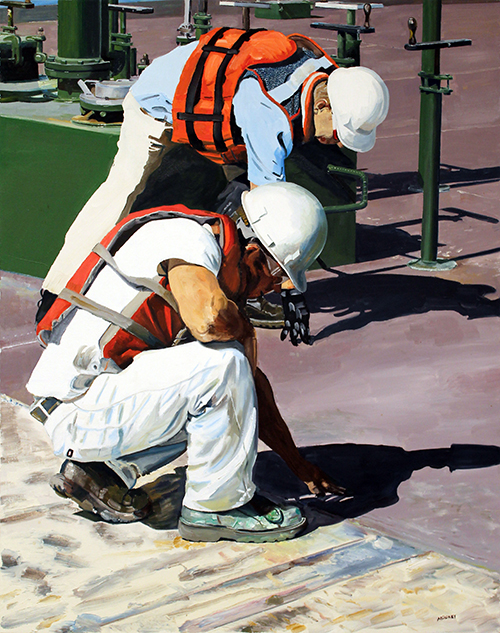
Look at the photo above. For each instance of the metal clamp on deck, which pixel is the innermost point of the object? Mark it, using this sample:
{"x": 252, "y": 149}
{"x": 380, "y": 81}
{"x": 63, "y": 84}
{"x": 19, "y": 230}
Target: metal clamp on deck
{"x": 413, "y": 45}
{"x": 427, "y": 86}
{"x": 348, "y": 35}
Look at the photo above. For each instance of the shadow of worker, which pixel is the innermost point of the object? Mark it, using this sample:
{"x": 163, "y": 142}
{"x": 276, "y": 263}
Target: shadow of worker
{"x": 371, "y": 475}
{"x": 359, "y": 299}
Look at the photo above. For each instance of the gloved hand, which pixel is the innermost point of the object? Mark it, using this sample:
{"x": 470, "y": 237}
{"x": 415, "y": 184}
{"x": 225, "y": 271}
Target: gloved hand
{"x": 296, "y": 317}
{"x": 229, "y": 201}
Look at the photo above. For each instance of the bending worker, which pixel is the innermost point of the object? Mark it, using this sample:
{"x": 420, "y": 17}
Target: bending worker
{"x": 235, "y": 97}
{"x": 122, "y": 395}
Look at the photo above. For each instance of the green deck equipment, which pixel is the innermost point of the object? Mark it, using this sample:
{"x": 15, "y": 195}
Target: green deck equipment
{"x": 19, "y": 59}
{"x": 431, "y": 95}
{"x": 348, "y": 38}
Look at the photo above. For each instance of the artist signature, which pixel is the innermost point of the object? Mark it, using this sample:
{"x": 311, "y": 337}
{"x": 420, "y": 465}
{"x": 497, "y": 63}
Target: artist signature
{"x": 446, "y": 617}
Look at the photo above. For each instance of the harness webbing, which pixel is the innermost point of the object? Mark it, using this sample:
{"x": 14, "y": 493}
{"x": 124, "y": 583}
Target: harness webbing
{"x": 194, "y": 90}
{"x": 138, "y": 283}
{"x": 220, "y": 146}
{"x": 111, "y": 316}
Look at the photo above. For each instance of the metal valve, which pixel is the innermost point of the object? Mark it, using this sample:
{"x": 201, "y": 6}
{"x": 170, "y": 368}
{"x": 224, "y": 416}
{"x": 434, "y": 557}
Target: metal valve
{"x": 39, "y": 39}
{"x": 412, "y": 26}
{"x": 367, "y": 8}
{"x": 18, "y": 4}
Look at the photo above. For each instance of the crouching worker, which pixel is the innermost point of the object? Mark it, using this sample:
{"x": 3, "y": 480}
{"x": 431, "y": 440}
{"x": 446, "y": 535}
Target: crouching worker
{"x": 149, "y": 353}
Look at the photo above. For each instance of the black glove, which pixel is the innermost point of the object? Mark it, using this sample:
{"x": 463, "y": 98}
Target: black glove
{"x": 44, "y": 304}
{"x": 296, "y": 317}
{"x": 229, "y": 201}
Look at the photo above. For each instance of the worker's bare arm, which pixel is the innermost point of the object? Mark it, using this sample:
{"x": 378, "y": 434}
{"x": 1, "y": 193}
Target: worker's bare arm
{"x": 206, "y": 311}
{"x": 274, "y": 432}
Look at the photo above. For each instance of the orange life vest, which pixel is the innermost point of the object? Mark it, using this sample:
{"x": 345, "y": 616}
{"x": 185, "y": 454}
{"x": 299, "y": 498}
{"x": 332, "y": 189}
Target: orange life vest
{"x": 202, "y": 106}
{"x": 154, "y": 313}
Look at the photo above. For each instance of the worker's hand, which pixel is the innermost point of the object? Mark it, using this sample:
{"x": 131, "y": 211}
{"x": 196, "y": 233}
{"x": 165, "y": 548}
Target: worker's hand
{"x": 316, "y": 480}
{"x": 296, "y": 317}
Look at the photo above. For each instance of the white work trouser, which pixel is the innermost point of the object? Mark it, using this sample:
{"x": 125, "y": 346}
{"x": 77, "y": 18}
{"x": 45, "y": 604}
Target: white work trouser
{"x": 141, "y": 146}
{"x": 205, "y": 389}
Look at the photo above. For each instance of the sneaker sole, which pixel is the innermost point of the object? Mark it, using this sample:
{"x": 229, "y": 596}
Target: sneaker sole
{"x": 270, "y": 325}
{"x": 212, "y": 533}
{"x": 90, "y": 503}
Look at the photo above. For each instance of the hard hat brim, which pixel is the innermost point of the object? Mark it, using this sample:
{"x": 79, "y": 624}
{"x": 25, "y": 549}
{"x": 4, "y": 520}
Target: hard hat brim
{"x": 359, "y": 100}
{"x": 357, "y": 142}
{"x": 298, "y": 278}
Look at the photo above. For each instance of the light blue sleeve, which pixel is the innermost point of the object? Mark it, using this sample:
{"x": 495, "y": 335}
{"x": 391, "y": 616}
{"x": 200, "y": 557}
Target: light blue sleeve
{"x": 266, "y": 132}
{"x": 155, "y": 88}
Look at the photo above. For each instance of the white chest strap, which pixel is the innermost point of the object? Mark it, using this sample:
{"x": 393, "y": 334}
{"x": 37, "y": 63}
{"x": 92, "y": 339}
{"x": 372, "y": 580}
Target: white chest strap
{"x": 138, "y": 283}
{"x": 297, "y": 78}
{"x": 111, "y": 316}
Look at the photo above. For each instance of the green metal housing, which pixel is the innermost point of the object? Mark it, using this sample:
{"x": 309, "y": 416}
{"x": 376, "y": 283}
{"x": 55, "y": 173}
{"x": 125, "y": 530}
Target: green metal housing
{"x": 50, "y": 167}
{"x": 286, "y": 10}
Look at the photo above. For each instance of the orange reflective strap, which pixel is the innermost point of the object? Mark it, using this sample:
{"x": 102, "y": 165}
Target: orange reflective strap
{"x": 203, "y": 99}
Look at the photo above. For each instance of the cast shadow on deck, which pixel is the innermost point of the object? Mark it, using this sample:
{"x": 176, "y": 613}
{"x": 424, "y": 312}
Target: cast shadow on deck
{"x": 371, "y": 474}
{"x": 406, "y": 182}
{"x": 388, "y": 240}
{"x": 359, "y": 299}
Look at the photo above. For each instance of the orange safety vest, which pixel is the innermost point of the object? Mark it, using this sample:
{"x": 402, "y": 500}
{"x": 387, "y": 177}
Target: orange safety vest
{"x": 202, "y": 106}
{"x": 154, "y": 313}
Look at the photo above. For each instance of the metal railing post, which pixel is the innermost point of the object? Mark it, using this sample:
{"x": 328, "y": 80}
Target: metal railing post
{"x": 429, "y": 154}
{"x": 430, "y": 130}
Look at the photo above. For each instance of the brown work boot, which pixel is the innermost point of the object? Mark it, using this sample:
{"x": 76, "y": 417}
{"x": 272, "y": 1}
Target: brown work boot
{"x": 98, "y": 489}
{"x": 262, "y": 313}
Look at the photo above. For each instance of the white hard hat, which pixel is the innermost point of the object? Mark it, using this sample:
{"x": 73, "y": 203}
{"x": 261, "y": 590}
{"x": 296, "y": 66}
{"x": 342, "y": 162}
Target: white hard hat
{"x": 291, "y": 225}
{"x": 360, "y": 101}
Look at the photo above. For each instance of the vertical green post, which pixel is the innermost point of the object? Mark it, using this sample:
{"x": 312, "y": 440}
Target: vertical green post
{"x": 429, "y": 156}
{"x": 79, "y": 29}
{"x": 351, "y": 42}
{"x": 202, "y": 19}
{"x": 105, "y": 29}
{"x": 81, "y": 42}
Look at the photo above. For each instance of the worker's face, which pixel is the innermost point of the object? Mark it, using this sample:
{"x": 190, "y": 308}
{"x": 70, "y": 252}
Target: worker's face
{"x": 265, "y": 273}
{"x": 323, "y": 124}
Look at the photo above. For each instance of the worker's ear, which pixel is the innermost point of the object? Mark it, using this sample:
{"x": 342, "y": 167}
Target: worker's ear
{"x": 321, "y": 104}
{"x": 256, "y": 272}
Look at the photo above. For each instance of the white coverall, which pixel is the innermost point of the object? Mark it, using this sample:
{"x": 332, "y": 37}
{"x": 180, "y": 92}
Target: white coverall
{"x": 203, "y": 390}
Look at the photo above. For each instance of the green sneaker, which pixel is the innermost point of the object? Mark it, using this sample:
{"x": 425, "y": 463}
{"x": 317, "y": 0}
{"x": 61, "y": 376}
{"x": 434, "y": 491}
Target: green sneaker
{"x": 262, "y": 313}
{"x": 258, "y": 521}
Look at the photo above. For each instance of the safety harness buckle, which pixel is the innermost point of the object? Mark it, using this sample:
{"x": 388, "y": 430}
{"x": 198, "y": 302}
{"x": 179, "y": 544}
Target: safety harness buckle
{"x": 43, "y": 407}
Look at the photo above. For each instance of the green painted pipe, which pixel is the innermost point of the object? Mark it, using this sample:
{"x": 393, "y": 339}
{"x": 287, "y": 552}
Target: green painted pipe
{"x": 82, "y": 46}
{"x": 79, "y": 32}
{"x": 430, "y": 129}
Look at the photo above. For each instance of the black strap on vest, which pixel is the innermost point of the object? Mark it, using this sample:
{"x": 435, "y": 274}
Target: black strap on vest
{"x": 194, "y": 90}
